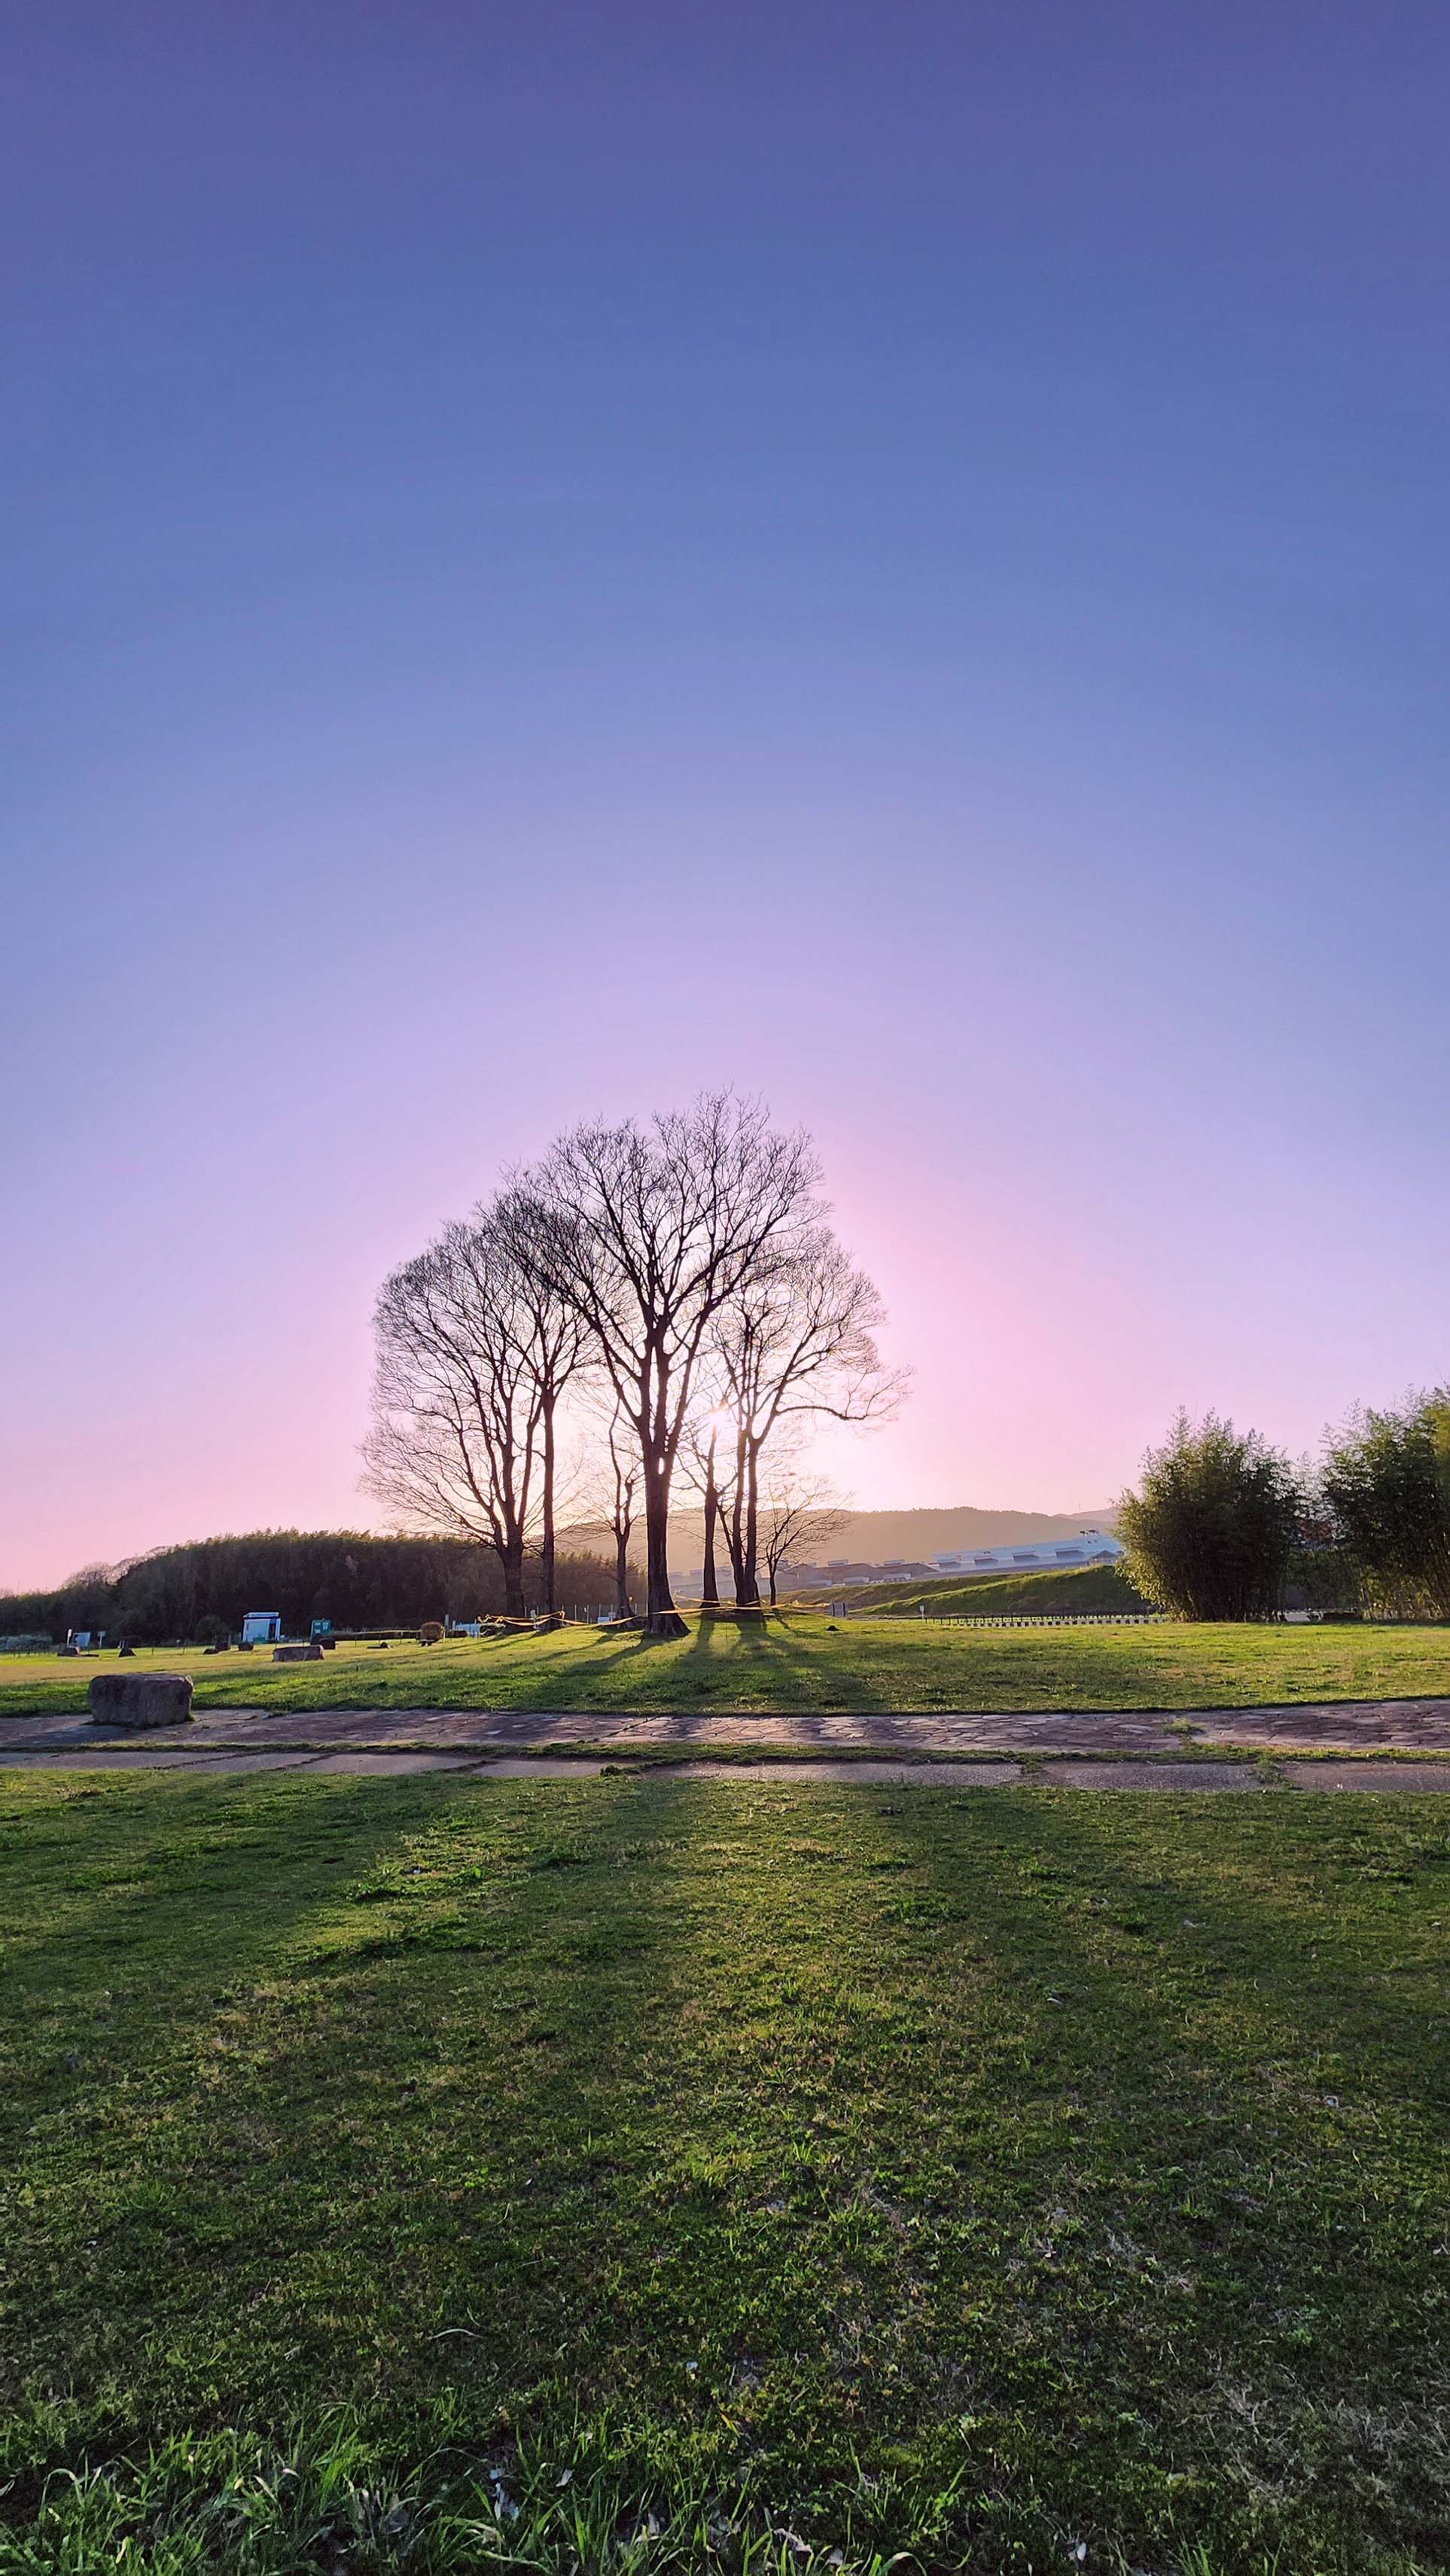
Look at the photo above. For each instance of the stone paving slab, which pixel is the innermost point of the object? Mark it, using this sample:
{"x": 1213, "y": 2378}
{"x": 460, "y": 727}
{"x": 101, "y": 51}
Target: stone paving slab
{"x": 108, "y": 1759}
{"x": 389, "y": 1763}
{"x": 1160, "y": 1775}
{"x": 260, "y": 1762}
{"x": 1404, "y": 1776}
{"x": 862, "y": 1775}
{"x": 557, "y": 1766}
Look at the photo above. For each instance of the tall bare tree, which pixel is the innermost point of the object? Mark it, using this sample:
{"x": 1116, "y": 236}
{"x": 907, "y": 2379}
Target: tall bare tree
{"x": 699, "y": 1465}
{"x": 471, "y": 1360}
{"x": 794, "y": 1342}
{"x": 553, "y": 1341}
{"x": 624, "y": 1467}
{"x": 797, "y": 1511}
{"x": 646, "y": 1233}
{"x": 709, "y": 1579}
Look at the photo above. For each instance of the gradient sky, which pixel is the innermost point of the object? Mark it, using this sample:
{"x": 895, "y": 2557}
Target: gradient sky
{"x": 891, "y": 554}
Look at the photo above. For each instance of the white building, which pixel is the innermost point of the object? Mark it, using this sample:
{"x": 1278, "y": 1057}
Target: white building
{"x": 262, "y": 1628}
{"x": 1039, "y": 1556}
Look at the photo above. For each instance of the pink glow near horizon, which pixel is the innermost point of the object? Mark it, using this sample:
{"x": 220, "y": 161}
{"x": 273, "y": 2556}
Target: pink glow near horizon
{"x": 1054, "y": 1304}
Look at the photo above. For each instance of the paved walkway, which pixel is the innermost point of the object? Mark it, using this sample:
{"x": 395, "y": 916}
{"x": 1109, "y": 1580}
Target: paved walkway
{"x": 526, "y": 1743}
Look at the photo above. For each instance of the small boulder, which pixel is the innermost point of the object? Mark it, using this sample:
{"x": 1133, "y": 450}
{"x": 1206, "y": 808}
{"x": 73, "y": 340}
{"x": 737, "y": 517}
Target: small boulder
{"x": 140, "y": 1699}
{"x": 308, "y": 1654}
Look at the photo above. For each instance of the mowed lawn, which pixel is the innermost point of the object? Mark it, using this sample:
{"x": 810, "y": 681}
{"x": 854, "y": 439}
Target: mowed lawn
{"x": 802, "y": 1662}
{"x": 647, "y": 2174}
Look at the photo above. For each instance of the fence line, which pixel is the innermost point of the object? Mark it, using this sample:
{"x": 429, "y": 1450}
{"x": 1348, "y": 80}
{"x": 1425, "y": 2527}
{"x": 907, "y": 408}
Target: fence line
{"x": 1001, "y": 1619}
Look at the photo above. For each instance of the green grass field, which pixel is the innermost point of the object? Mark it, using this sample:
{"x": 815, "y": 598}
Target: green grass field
{"x": 801, "y": 1662}
{"x": 622, "y": 2174}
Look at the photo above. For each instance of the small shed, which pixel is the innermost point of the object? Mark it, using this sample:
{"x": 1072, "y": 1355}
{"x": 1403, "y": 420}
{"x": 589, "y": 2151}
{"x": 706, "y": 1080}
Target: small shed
{"x": 262, "y": 1628}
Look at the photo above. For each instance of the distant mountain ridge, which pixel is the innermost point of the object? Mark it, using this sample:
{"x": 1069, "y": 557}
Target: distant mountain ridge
{"x": 874, "y": 1538}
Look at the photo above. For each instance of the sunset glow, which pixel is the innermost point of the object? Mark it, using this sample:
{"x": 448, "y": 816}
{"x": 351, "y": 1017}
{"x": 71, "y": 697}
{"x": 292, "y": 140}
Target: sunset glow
{"x": 560, "y": 556}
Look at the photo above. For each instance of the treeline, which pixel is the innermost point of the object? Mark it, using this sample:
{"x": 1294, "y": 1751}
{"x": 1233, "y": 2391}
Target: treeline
{"x": 199, "y": 1592}
{"x": 1223, "y": 1525}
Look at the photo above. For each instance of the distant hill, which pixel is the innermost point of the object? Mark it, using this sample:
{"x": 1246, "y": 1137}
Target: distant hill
{"x": 875, "y": 1537}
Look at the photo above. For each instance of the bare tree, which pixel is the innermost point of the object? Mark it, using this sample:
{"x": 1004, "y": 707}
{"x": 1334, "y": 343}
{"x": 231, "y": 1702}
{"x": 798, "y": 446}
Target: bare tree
{"x": 699, "y": 1464}
{"x": 610, "y": 1494}
{"x": 796, "y": 1342}
{"x": 471, "y": 1360}
{"x": 554, "y": 1343}
{"x": 709, "y": 1579}
{"x": 645, "y": 1234}
{"x": 624, "y": 1463}
{"x": 797, "y": 1512}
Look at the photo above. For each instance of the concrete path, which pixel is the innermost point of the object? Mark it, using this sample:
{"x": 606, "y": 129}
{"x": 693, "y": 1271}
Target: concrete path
{"x": 964, "y": 1777}
{"x": 1152, "y": 1749}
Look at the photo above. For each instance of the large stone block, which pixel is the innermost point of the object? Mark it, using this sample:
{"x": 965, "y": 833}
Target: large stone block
{"x": 140, "y": 1699}
{"x": 297, "y": 1654}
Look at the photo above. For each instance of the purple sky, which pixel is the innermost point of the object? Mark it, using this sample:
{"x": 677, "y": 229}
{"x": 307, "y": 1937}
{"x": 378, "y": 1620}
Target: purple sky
{"x": 890, "y": 554}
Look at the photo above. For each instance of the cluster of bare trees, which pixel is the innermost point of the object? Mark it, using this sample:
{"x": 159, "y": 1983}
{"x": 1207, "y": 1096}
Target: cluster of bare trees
{"x": 675, "y": 1283}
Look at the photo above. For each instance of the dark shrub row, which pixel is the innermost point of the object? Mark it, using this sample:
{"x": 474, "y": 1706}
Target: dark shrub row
{"x": 355, "y": 1579}
{"x": 1223, "y": 1526}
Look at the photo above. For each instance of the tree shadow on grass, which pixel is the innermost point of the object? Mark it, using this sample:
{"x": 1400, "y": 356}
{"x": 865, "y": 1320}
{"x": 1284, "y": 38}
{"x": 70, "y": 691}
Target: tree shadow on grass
{"x": 812, "y": 1683}
{"x": 528, "y": 2144}
{"x": 1226, "y": 2230}
{"x": 197, "y": 1913}
{"x": 792, "y": 2120}
{"x": 121, "y": 1840}
{"x": 394, "y": 2152}
{"x": 1288, "y": 1909}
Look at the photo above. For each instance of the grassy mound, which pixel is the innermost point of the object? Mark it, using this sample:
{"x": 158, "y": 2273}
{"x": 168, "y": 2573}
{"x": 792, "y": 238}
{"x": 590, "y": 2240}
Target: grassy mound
{"x": 1075, "y": 1590}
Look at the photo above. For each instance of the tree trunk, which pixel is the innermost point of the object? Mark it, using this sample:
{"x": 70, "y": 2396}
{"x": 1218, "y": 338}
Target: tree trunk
{"x": 709, "y": 1587}
{"x": 735, "y": 1535}
{"x": 546, "y": 1547}
{"x": 773, "y": 1602}
{"x": 748, "y": 1588}
{"x": 661, "y": 1618}
{"x": 732, "y": 1549}
{"x": 511, "y": 1558}
{"x": 622, "y": 1607}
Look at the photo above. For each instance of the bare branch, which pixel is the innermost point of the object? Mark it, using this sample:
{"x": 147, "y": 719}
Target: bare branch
{"x": 796, "y": 1343}
{"x": 798, "y": 1512}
